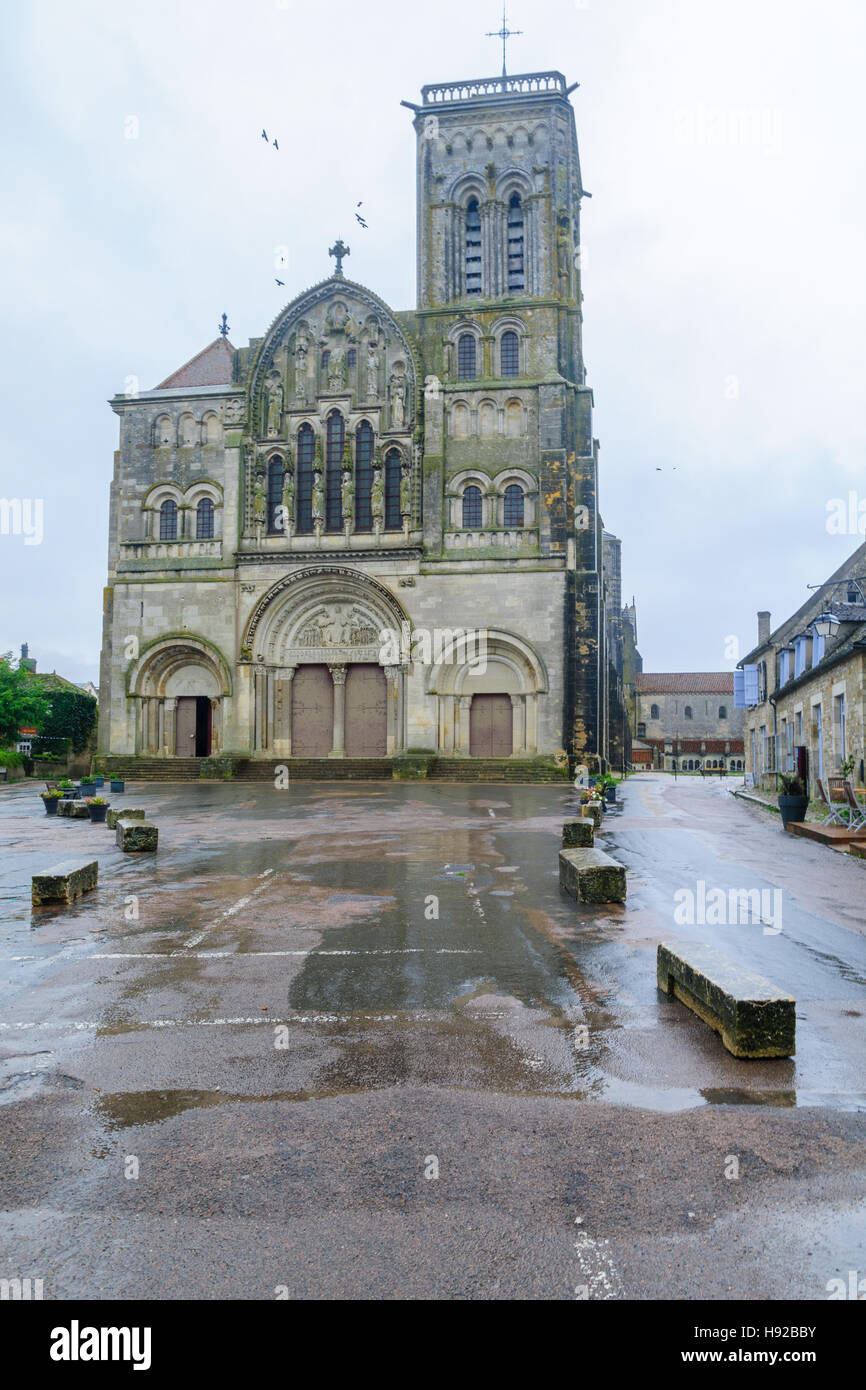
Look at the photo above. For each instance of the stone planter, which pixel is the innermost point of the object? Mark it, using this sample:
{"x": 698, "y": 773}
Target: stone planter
{"x": 793, "y": 808}
{"x": 98, "y": 814}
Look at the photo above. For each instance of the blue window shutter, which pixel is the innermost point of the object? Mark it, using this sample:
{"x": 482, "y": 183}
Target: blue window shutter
{"x": 739, "y": 690}
{"x": 746, "y": 688}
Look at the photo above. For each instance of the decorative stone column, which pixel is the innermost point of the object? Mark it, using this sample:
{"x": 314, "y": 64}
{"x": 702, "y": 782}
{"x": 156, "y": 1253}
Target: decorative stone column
{"x": 518, "y": 724}
{"x": 531, "y": 702}
{"x": 461, "y": 732}
{"x": 269, "y": 702}
{"x": 283, "y": 720}
{"x": 338, "y": 675}
{"x": 259, "y": 710}
{"x": 392, "y": 676}
{"x": 170, "y": 726}
{"x": 216, "y": 741}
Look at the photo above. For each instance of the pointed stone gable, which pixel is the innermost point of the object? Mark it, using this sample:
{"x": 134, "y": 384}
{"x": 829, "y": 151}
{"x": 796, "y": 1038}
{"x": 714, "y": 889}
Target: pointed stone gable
{"x": 211, "y": 367}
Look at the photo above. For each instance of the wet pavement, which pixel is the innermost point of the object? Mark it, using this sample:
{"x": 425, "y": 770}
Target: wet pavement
{"x": 355, "y": 1042}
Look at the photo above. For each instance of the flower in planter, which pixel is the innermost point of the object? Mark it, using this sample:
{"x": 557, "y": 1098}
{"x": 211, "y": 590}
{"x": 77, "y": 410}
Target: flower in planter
{"x": 96, "y": 801}
{"x": 53, "y": 794}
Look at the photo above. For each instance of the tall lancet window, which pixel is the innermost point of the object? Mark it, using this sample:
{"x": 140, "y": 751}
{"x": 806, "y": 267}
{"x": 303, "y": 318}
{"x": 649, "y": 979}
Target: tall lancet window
{"x": 473, "y": 248}
{"x": 516, "y": 280}
{"x": 333, "y": 473}
{"x": 275, "y": 495}
{"x": 363, "y": 476}
{"x": 392, "y": 490}
{"x": 306, "y": 455}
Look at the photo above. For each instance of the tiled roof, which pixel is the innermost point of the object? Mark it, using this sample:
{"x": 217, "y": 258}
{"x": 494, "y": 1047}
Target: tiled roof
{"x": 693, "y": 745}
{"x": 210, "y": 367}
{"x": 685, "y": 683}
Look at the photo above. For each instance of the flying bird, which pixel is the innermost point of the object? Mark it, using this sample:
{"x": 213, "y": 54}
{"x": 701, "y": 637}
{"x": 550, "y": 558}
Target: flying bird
{"x": 279, "y": 282}
{"x": 265, "y": 136}
{"x": 276, "y": 146}
{"x": 359, "y": 218}
{"x": 359, "y": 204}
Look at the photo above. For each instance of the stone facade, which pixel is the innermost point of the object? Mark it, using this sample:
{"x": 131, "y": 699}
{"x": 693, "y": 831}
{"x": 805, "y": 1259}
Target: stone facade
{"x": 689, "y": 718}
{"x": 304, "y": 530}
{"x": 806, "y": 692}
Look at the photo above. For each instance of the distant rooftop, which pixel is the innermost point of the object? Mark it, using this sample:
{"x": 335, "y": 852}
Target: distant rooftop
{"x": 685, "y": 683}
{"x": 528, "y": 84}
{"x": 210, "y": 367}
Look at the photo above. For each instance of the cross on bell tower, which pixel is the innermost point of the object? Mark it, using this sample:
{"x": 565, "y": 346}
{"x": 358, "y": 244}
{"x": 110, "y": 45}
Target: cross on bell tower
{"x": 504, "y": 33}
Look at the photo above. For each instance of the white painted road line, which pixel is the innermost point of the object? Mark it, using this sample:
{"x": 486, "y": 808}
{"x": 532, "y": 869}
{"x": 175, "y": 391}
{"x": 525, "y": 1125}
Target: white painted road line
{"x": 244, "y": 955}
{"x": 600, "y": 1276}
{"x": 229, "y": 912}
{"x": 420, "y": 1015}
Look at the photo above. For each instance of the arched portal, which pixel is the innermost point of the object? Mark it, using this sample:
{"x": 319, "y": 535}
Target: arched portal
{"x": 179, "y": 685}
{"x": 489, "y": 685}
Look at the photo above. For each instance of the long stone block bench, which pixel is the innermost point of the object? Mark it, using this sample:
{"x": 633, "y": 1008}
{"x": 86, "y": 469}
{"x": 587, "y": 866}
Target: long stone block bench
{"x": 136, "y": 835}
{"x": 580, "y": 833}
{"x": 591, "y": 876}
{"x": 64, "y": 807}
{"x": 124, "y": 813}
{"x": 754, "y": 1017}
{"x": 593, "y": 812}
{"x": 78, "y": 810}
{"x": 64, "y": 882}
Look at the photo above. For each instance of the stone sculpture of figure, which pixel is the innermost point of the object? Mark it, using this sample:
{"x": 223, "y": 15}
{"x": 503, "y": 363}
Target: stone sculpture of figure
{"x": 275, "y": 409}
{"x": 377, "y": 497}
{"x": 288, "y": 496}
{"x": 562, "y": 246}
{"x": 405, "y": 493}
{"x": 301, "y": 349}
{"x": 348, "y": 497}
{"x": 336, "y": 369}
{"x": 318, "y": 501}
{"x": 398, "y": 400}
{"x": 260, "y": 511}
{"x": 372, "y": 371}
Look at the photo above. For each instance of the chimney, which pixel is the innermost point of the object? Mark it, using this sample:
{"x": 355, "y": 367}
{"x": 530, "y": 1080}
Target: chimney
{"x": 27, "y": 663}
{"x": 763, "y": 628}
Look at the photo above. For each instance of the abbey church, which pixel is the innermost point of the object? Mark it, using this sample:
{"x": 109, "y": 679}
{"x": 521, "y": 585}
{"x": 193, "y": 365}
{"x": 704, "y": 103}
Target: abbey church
{"x": 376, "y": 530}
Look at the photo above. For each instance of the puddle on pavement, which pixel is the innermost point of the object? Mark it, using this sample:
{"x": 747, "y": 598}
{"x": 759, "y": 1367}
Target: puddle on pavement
{"x": 126, "y": 1109}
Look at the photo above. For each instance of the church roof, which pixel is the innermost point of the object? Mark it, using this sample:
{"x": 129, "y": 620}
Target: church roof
{"x": 211, "y": 367}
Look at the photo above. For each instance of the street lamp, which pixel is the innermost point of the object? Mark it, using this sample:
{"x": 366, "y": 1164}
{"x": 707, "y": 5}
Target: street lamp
{"x": 826, "y": 625}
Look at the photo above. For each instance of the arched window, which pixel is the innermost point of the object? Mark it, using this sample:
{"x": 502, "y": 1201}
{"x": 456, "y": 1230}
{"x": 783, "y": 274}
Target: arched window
{"x": 168, "y": 520}
{"x": 641, "y": 730}
{"x": 688, "y": 711}
{"x": 473, "y": 248}
{"x": 306, "y": 455}
{"x": 515, "y": 243}
{"x": 472, "y": 507}
{"x": 392, "y": 490}
{"x": 204, "y": 520}
{"x": 654, "y": 711}
{"x": 333, "y": 472}
{"x": 509, "y": 354}
{"x": 326, "y": 357}
{"x": 275, "y": 494}
{"x": 723, "y": 711}
{"x": 466, "y": 356}
{"x": 363, "y": 476}
{"x": 351, "y": 358}
{"x": 513, "y": 512}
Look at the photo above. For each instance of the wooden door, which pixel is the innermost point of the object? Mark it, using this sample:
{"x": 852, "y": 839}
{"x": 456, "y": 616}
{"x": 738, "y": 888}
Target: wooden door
{"x": 366, "y": 712}
{"x": 490, "y": 726}
{"x": 312, "y": 712}
{"x": 185, "y": 724}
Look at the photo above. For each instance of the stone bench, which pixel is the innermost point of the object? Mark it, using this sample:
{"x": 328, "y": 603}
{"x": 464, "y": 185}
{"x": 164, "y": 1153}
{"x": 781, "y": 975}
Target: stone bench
{"x": 580, "y": 833}
{"x": 125, "y": 812}
{"x": 753, "y": 1016}
{"x": 78, "y": 810}
{"x": 64, "y": 882}
{"x": 591, "y": 876}
{"x": 136, "y": 835}
{"x": 593, "y": 811}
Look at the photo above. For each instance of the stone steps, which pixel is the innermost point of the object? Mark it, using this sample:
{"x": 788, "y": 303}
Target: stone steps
{"x": 140, "y": 769}
{"x": 496, "y": 770}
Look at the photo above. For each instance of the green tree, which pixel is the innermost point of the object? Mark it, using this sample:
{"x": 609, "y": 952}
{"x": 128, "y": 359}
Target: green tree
{"x": 23, "y": 702}
{"x": 72, "y": 715}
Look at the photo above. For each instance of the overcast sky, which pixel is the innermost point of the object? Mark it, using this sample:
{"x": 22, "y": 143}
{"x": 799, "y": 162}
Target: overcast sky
{"x": 725, "y": 299}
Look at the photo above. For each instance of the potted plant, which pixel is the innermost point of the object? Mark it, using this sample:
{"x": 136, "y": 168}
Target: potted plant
{"x": 793, "y": 801}
{"x": 67, "y": 787}
{"x": 98, "y": 809}
{"x": 117, "y": 784}
{"x": 50, "y": 799}
{"x": 88, "y": 786}
{"x": 99, "y": 780}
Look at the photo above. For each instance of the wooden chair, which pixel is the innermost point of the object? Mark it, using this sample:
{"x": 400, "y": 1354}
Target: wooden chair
{"x": 832, "y": 805}
{"x": 856, "y": 813}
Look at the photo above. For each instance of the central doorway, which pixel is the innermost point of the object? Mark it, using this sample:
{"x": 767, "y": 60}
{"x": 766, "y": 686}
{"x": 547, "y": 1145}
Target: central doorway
{"x": 366, "y": 712}
{"x": 491, "y": 727}
{"x": 192, "y": 730}
{"x": 312, "y": 712}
